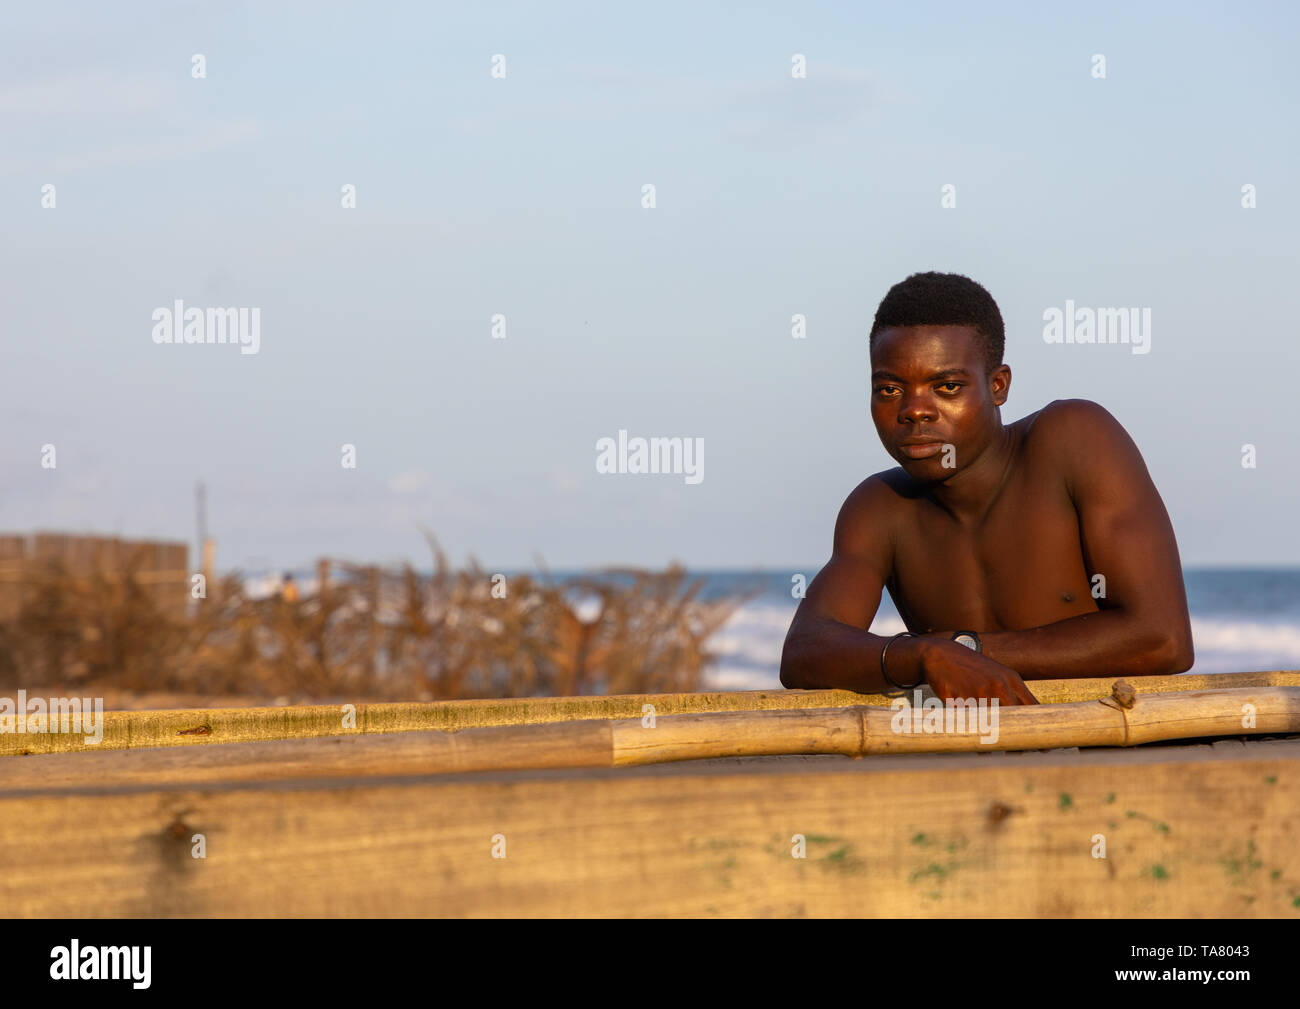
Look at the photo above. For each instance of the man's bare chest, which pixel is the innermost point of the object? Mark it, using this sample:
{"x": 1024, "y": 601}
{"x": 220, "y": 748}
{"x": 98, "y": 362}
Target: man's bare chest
{"x": 1022, "y": 565}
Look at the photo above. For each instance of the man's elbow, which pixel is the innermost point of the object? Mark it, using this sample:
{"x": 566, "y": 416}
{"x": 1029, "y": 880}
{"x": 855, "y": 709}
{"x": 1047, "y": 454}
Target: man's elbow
{"x": 790, "y": 678}
{"x": 1173, "y": 653}
{"x": 1183, "y": 658}
{"x": 793, "y": 669}
{"x": 800, "y": 659}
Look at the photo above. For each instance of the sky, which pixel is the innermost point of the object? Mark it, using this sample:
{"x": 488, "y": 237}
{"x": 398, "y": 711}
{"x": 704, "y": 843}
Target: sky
{"x": 521, "y": 196}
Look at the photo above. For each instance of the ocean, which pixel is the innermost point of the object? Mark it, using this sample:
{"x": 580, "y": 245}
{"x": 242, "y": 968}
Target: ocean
{"x": 1242, "y": 620}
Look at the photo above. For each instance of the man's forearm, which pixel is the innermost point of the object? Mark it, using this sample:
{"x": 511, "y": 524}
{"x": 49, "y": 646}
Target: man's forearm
{"x": 1113, "y": 642}
{"x": 821, "y": 653}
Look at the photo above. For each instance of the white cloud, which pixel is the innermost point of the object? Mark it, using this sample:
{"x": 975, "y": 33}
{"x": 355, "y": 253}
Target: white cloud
{"x": 412, "y": 481}
{"x": 91, "y": 95}
{"x": 182, "y": 145}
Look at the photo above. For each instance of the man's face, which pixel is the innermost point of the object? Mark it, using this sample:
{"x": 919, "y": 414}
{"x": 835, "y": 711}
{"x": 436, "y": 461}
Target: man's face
{"x": 929, "y": 391}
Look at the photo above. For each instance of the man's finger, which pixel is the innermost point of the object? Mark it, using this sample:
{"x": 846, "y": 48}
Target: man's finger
{"x": 1023, "y": 692}
{"x": 1010, "y": 695}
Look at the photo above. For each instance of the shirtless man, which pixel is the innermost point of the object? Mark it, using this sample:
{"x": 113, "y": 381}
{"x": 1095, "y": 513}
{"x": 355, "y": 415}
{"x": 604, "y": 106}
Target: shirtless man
{"x": 1044, "y": 540}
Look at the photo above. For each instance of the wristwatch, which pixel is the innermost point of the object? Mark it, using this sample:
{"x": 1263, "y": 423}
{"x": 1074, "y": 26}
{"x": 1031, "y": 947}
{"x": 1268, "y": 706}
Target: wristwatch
{"x": 968, "y": 638}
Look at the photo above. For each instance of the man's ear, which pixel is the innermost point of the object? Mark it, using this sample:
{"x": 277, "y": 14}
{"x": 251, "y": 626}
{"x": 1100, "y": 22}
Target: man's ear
{"x": 1000, "y": 384}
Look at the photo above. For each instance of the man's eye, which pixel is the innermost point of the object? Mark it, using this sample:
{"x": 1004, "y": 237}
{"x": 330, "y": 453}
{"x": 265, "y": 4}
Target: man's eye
{"x": 950, "y": 386}
{"x": 885, "y": 389}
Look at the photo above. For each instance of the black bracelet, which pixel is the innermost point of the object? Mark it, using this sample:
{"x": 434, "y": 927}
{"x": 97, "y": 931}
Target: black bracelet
{"x": 885, "y": 673}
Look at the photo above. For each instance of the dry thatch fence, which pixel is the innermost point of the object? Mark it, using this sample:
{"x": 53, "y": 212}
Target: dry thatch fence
{"x": 365, "y": 632}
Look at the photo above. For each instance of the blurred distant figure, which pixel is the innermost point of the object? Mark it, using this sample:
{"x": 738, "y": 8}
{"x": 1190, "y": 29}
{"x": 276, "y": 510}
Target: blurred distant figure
{"x": 289, "y": 589}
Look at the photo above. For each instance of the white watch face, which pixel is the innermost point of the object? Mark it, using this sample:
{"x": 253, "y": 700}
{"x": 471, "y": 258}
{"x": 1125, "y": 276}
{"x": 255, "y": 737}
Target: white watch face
{"x": 968, "y": 641}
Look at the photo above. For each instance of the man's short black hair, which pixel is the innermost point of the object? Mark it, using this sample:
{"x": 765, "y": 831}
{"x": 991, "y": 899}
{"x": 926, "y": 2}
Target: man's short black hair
{"x": 944, "y": 299}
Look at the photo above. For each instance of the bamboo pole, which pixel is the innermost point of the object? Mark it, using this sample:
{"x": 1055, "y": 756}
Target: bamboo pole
{"x": 863, "y": 730}
{"x": 512, "y": 748}
{"x": 854, "y": 732}
{"x": 204, "y": 726}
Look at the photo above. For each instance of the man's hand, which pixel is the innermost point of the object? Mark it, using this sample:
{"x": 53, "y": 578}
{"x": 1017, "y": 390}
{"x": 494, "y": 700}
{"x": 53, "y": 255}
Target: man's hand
{"x": 954, "y": 671}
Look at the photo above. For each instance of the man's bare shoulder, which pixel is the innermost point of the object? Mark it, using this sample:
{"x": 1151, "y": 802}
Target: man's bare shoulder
{"x": 866, "y": 517}
{"x": 1084, "y": 437}
{"x": 886, "y": 489}
{"x": 1074, "y": 423}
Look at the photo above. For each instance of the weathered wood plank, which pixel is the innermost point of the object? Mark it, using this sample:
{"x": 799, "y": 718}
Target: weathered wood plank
{"x": 1189, "y": 831}
{"x": 202, "y": 726}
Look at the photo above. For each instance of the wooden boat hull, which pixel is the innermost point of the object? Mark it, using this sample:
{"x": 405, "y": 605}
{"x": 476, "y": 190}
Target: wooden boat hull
{"x": 1189, "y": 831}
{"x": 359, "y": 826}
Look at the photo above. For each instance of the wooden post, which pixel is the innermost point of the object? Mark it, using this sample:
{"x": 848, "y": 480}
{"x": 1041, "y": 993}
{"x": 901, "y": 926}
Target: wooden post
{"x": 210, "y": 566}
{"x": 372, "y": 599}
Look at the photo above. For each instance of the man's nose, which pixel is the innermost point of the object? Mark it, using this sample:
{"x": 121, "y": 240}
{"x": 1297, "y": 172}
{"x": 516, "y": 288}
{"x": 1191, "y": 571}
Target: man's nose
{"x": 916, "y": 409}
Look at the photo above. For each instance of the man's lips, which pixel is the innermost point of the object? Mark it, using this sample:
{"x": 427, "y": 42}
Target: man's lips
{"x": 920, "y": 448}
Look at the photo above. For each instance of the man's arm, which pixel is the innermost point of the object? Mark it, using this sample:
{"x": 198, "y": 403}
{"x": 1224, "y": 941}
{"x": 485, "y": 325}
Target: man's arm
{"x": 1143, "y": 627}
{"x": 828, "y": 646}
